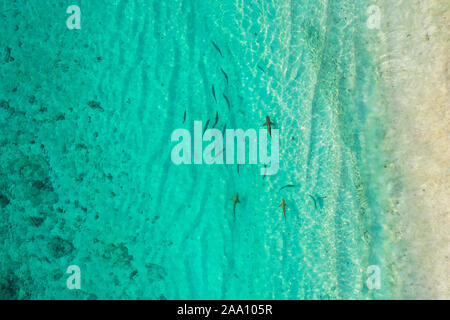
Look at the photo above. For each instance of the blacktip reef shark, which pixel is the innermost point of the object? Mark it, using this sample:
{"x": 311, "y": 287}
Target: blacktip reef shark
{"x": 269, "y": 125}
{"x": 235, "y": 200}
{"x": 283, "y": 205}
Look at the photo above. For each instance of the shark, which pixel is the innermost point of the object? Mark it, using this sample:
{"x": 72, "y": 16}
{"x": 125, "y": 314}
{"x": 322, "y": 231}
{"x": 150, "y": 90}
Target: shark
{"x": 269, "y": 125}
{"x": 283, "y": 205}
{"x": 235, "y": 200}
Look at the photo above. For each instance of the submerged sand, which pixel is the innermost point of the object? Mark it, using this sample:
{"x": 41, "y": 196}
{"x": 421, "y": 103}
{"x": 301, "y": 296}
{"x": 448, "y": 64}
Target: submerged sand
{"x": 414, "y": 65}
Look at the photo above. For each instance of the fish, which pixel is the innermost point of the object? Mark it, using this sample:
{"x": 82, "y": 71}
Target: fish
{"x": 225, "y": 74}
{"x": 206, "y": 126}
{"x": 217, "y": 119}
{"x": 217, "y": 48}
{"x": 314, "y": 199}
{"x": 235, "y": 200}
{"x": 283, "y": 205}
{"x": 214, "y": 93}
{"x": 265, "y": 167}
{"x": 228, "y": 101}
{"x": 269, "y": 125}
{"x": 287, "y": 186}
{"x": 184, "y": 118}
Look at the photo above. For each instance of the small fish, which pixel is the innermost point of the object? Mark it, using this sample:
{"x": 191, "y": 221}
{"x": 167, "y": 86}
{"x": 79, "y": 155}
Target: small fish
{"x": 217, "y": 119}
{"x": 206, "y": 126}
{"x": 269, "y": 125}
{"x": 217, "y": 48}
{"x": 228, "y": 101}
{"x": 314, "y": 199}
{"x": 287, "y": 186}
{"x": 258, "y": 66}
{"x": 283, "y": 205}
{"x": 238, "y": 168}
{"x": 225, "y": 74}
{"x": 265, "y": 171}
{"x": 235, "y": 200}
{"x": 214, "y": 93}
{"x": 184, "y": 118}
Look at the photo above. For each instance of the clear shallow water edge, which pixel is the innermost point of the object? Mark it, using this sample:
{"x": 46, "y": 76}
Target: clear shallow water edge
{"x": 85, "y": 172}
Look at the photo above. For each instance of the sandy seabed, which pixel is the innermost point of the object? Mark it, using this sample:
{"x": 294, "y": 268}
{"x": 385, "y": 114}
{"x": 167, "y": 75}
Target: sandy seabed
{"x": 414, "y": 65}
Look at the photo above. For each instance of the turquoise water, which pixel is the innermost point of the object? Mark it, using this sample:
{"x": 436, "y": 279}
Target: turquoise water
{"x": 85, "y": 171}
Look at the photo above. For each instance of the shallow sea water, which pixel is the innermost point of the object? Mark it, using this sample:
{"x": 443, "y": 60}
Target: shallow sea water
{"x": 85, "y": 171}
